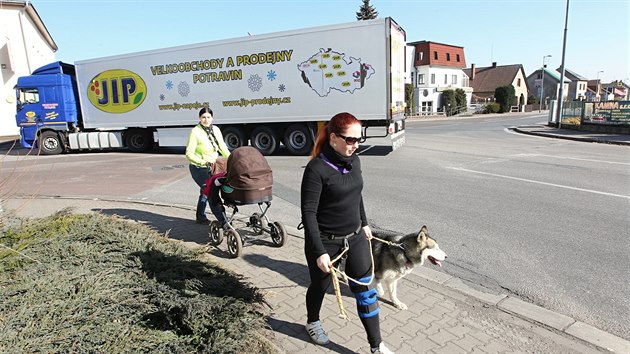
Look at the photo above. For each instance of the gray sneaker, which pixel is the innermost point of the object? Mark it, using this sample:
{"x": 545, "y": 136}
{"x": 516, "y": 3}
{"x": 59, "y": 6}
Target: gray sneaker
{"x": 316, "y": 332}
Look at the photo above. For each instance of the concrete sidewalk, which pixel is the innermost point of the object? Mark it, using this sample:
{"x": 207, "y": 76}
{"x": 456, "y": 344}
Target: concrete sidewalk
{"x": 444, "y": 316}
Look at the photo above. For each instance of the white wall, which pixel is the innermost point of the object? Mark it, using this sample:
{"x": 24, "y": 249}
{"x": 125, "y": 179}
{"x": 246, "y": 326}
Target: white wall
{"x": 431, "y": 92}
{"x": 22, "y": 50}
{"x": 522, "y": 89}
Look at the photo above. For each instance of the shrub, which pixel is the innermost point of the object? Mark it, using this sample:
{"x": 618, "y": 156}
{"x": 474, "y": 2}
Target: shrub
{"x": 504, "y": 96}
{"x": 532, "y": 99}
{"x": 491, "y": 107}
{"x": 449, "y": 102}
{"x": 409, "y": 98}
{"x": 460, "y": 98}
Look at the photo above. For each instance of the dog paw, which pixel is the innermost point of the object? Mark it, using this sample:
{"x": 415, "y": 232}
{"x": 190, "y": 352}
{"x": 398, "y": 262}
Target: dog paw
{"x": 399, "y": 305}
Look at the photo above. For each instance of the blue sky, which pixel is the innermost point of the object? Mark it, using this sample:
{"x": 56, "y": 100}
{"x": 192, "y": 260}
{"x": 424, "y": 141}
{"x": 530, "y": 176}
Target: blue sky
{"x": 502, "y": 31}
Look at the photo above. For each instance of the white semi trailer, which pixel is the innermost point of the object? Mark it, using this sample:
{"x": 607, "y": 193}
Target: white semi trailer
{"x": 264, "y": 90}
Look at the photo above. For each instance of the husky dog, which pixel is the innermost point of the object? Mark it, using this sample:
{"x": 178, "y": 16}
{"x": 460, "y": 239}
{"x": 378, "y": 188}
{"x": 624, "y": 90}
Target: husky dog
{"x": 394, "y": 261}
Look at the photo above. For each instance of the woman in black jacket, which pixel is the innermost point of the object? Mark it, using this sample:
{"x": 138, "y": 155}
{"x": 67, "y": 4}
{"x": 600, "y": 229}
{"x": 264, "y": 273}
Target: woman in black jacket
{"x": 334, "y": 218}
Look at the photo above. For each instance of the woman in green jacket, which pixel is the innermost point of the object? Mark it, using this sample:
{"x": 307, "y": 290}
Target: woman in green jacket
{"x": 205, "y": 143}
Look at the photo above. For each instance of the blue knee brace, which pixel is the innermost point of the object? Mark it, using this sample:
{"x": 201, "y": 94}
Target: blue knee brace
{"x": 366, "y": 295}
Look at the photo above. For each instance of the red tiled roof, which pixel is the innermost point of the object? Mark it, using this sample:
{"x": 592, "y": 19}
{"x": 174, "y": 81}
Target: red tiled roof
{"x": 439, "y": 54}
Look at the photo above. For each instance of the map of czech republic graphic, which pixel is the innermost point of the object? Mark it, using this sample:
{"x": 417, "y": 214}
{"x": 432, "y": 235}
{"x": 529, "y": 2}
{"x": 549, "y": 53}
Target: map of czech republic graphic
{"x": 328, "y": 70}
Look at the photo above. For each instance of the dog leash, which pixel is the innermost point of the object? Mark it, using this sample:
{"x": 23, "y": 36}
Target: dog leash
{"x": 333, "y": 272}
{"x": 399, "y": 245}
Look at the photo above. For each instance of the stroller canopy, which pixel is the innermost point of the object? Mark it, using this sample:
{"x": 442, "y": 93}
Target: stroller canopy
{"x": 248, "y": 169}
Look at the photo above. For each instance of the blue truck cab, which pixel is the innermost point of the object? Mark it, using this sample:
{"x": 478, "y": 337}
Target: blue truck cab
{"x": 48, "y": 107}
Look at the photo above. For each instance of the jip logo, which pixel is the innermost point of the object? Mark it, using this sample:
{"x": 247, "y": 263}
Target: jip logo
{"x": 117, "y": 91}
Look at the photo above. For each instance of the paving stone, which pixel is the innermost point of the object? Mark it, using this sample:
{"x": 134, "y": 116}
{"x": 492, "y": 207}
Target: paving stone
{"x": 467, "y": 342}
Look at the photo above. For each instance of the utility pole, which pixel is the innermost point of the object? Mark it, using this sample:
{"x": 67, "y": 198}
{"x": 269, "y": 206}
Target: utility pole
{"x": 564, "y": 49}
{"x": 599, "y": 93}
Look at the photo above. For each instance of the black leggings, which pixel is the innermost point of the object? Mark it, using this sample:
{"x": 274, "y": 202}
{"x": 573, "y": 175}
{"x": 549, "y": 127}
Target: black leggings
{"x": 358, "y": 265}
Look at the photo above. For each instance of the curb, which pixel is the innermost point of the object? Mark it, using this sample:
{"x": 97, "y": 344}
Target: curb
{"x": 531, "y": 312}
{"x": 454, "y": 287}
{"x": 574, "y": 138}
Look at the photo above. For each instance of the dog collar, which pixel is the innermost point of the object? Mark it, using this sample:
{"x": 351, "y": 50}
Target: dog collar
{"x": 408, "y": 263}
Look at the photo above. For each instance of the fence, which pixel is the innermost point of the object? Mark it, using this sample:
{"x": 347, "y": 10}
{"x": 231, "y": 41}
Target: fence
{"x": 606, "y": 113}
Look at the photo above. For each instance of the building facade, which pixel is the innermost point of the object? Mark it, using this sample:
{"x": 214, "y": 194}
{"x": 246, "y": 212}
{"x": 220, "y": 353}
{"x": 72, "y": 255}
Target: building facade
{"x": 550, "y": 81}
{"x": 25, "y": 45}
{"x": 577, "y": 87}
{"x": 485, "y": 80}
{"x": 435, "y": 67}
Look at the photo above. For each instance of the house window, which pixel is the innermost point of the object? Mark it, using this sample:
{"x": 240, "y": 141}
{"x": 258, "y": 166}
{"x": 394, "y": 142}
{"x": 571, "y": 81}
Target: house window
{"x": 435, "y": 55}
{"x": 433, "y": 79}
{"x": 448, "y": 56}
{"x": 454, "y": 80}
{"x": 445, "y": 79}
{"x": 518, "y": 82}
{"x": 539, "y": 76}
{"x": 420, "y": 79}
{"x": 458, "y": 58}
{"x": 427, "y": 107}
{"x": 420, "y": 55}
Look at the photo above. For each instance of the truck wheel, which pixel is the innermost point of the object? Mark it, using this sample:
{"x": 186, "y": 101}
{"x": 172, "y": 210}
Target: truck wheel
{"x": 138, "y": 140}
{"x": 297, "y": 139}
{"x": 234, "y": 137}
{"x": 49, "y": 143}
{"x": 265, "y": 140}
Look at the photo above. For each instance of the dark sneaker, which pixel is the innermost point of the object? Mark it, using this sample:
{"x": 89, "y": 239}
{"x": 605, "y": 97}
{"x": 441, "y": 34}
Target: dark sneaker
{"x": 203, "y": 221}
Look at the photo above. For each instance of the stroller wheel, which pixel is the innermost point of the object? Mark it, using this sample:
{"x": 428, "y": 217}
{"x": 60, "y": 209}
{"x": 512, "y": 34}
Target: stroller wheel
{"x": 278, "y": 234}
{"x": 257, "y": 223}
{"x": 215, "y": 233}
{"x": 234, "y": 243}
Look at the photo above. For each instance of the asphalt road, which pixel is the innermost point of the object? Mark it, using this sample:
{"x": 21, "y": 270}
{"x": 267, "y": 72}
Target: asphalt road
{"x": 544, "y": 219}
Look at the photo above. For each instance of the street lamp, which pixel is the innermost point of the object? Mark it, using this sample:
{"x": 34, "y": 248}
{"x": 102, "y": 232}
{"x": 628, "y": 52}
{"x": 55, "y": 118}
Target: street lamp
{"x": 542, "y": 84}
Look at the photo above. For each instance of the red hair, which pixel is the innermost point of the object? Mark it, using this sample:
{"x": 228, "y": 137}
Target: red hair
{"x": 338, "y": 124}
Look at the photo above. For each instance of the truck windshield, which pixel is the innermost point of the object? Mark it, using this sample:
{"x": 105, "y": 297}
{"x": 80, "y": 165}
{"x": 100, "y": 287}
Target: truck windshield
{"x": 27, "y": 96}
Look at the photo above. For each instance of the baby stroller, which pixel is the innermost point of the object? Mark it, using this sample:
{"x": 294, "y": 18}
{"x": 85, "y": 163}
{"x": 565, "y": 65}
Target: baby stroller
{"x": 248, "y": 180}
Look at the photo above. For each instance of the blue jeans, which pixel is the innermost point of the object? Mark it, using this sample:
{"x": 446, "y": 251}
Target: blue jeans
{"x": 200, "y": 175}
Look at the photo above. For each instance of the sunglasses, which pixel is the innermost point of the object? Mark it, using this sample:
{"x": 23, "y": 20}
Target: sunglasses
{"x": 350, "y": 140}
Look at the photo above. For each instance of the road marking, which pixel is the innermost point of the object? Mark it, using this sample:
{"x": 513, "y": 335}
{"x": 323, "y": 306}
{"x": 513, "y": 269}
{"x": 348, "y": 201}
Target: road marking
{"x": 575, "y": 158}
{"x": 540, "y": 182}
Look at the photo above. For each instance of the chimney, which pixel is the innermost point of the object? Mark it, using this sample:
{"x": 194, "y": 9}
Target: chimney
{"x": 472, "y": 71}
{"x": 494, "y": 64}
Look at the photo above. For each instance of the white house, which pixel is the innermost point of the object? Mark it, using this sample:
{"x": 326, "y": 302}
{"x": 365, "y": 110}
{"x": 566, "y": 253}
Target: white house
{"x": 436, "y": 67}
{"x": 578, "y": 85}
{"x": 25, "y": 45}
